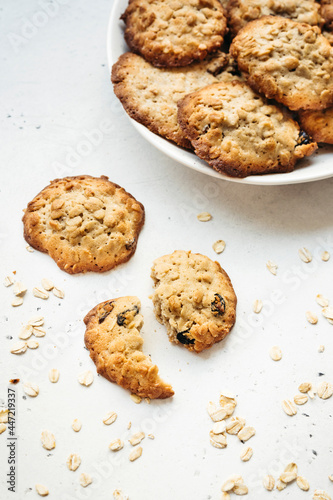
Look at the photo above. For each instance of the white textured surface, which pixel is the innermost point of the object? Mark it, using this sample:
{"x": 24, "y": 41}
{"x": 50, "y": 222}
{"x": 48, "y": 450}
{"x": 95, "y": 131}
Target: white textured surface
{"x": 54, "y": 91}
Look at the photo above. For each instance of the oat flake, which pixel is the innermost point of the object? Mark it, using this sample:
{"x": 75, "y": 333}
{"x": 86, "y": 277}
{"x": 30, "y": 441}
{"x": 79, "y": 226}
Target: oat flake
{"x": 325, "y": 390}
{"x": 305, "y": 255}
{"x": 42, "y": 490}
{"x": 219, "y": 246}
{"x": 76, "y": 425}
{"x": 86, "y": 378}
{"x": 85, "y": 479}
{"x": 311, "y": 317}
{"x": 275, "y": 353}
{"x": 73, "y": 461}
{"x": 289, "y": 407}
{"x": 272, "y": 267}
{"x": 135, "y": 453}
{"x": 204, "y": 216}
{"x": 268, "y": 482}
{"x": 110, "y": 418}
{"x": 54, "y": 375}
{"x": 302, "y": 483}
{"x": 48, "y": 440}
{"x": 257, "y": 306}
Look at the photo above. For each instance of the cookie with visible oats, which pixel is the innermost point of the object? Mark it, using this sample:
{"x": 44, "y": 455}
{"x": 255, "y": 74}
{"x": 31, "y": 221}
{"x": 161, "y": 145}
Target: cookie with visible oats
{"x": 149, "y": 95}
{"x": 287, "y": 61}
{"x": 318, "y": 124}
{"x": 240, "y": 133}
{"x": 84, "y": 223}
{"x": 241, "y": 12}
{"x": 194, "y": 298}
{"x": 174, "y": 32}
{"x": 115, "y": 344}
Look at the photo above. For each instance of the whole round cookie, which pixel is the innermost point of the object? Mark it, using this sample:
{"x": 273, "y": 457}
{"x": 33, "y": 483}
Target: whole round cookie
{"x": 194, "y": 298}
{"x": 319, "y": 124}
{"x": 150, "y": 95}
{"x": 239, "y": 132}
{"x": 115, "y": 344}
{"x": 84, "y": 223}
{"x": 241, "y": 12}
{"x": 174, "y": 32}
{"x": 287, "y": 61}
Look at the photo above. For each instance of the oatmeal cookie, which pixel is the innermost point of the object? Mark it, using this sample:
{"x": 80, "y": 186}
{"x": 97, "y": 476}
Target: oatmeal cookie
{"x": 150, "y": 95}
{"x": 115, "y": 344}
{"x": 287, "y": 61}
{"x": 319, "y": 124}
{"x": 84, "y": 223}
{"x": 240, "y": 12}
{"x": 194, "y": 298}
{"x": 173, "y": 32}
{"x": 240, "y": 133}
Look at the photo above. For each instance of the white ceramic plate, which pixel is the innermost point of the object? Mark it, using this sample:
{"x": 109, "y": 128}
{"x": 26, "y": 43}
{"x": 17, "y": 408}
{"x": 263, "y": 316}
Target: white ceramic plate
{"x": 319, "y": 166}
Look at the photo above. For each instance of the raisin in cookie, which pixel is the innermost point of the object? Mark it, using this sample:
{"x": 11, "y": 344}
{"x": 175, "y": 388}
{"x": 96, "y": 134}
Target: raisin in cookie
{"x": 239, "y": 133}
{"x": 115, "y": 344}
{"x": 240, "y": 12}
{"x": 193, "y": 298}
{"x": 84, "y": 223}
{"x": 319, "y": 124}
{"x": 287, "y": 61}
{"x": 327, "y": 13}
{"x": 150, "y": 95}
{"x": 174, "y": 32}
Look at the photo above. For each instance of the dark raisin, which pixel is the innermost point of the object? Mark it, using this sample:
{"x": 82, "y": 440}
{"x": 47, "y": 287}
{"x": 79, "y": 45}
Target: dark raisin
{"x": 124, "y": 318}
{"x": 303, "y": 138}
{"x": 130, "y": 244}
{"x": 108, "y": 307}
{"x": 183, "y": 339}
{"x": 218, "y": 305}
{"x": 14, "y": 381}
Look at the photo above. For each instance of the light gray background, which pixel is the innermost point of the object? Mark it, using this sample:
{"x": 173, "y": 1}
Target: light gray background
{"x": 59, "y": 117}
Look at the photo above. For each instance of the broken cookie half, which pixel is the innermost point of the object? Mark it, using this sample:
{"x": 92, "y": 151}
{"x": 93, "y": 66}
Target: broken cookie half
{"x": 115, "y": 344}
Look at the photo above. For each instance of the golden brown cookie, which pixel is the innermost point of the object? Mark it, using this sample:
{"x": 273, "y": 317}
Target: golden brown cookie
{"x": 115, "y": 344}
{"x": 84, "y": 223}
{"x": 194, "y": 298}
{"x": 241, "y": 12}
{"x": 174, "y": 32}
{"x": 150, "y": 95}
{"x": 319, "y": 124}
{"x": 239, "y": 132}
{"x": 287, "y": 61}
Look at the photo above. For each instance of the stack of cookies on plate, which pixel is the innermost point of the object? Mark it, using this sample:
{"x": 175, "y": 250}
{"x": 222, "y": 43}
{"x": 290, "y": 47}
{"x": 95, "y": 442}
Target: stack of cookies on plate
{"x": 246, "y": 84}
